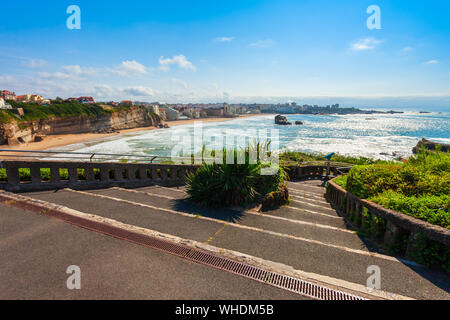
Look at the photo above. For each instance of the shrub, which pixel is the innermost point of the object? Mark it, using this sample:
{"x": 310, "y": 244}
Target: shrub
{"x": 434, "y": 209}
{"x": 221, "y": 185}
{"x": 364, "y": 181}
{"x": 341, "y": 181}
{"x": 423, "y": 174}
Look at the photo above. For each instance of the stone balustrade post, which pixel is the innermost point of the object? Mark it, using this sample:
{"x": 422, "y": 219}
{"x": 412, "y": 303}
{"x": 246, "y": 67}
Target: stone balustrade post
{"x": 104, "y": 173}
{"x": 73, "y": 175}
{"x": 89, "y": 174}
{"x": 35, "y": 175}
{"x": 12, "y": 174}
{"x": 54, "y": 175}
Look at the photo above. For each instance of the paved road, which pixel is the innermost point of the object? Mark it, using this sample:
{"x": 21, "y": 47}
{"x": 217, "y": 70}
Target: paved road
{"x": 36, "y": 251}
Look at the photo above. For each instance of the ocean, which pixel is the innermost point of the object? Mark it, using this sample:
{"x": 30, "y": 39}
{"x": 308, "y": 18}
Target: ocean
{"x": 381, "y": 136}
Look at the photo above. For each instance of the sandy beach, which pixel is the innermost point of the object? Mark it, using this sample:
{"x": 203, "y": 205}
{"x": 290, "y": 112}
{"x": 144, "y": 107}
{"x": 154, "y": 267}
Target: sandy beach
{"x": 54, "y": 141}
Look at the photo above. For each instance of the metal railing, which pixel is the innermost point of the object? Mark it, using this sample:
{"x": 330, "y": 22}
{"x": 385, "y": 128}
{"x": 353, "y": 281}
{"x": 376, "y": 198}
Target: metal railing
{"x": 120, "y": 157}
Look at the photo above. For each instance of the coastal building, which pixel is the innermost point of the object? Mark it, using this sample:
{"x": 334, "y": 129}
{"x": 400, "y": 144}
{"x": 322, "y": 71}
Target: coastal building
{"x": 171, "y": 114}
{"x": 86, "y": 100}
{"x": 154, "y": 109}
{"x": 126, "y": 103}
{"x": 285, "y": 109}
{"x": 214, "y": 112}
{"x": 8, "y": 95}
{"x": 30, "y": 98}
{"x": 4, "y": 105}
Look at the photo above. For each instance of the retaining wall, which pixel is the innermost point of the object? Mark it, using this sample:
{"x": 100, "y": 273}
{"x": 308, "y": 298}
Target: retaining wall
{"x": 389, "y": 227}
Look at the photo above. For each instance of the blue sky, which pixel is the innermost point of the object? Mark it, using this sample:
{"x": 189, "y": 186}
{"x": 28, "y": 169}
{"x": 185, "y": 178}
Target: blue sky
{"x": 316, "y": 51}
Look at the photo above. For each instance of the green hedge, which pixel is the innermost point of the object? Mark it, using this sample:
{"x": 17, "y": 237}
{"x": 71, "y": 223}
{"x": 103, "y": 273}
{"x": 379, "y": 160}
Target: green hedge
{"x": 419, "y": 188}
{"x": 434, "y": 209}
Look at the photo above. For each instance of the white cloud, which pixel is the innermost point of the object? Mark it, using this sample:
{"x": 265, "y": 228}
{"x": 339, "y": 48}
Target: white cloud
{"x": 179, "y": 60}
{"x": 266, "y": 43}
{"x": 103, "y": 90}
{"x": 34, "y": 63}
{"x": 432, "y": 62}
{"x": 128, "y": 68}
{"x": 365, "y": 44}
{"x": 139, "y": 91}
{"x": 223, "y": 39}
{"x": 54, "y": 75}
{"x": 78, "y": 71}
{"x": 68, "y": 72}
{"x": 179, "y": 82}
{"x": 407, "y": 49}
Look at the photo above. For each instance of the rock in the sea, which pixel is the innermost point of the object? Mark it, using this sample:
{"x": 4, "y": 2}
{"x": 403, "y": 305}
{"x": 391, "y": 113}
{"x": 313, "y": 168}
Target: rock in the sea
{"x": 282, "y": 120}
{"x": 299, "y": 123}
{"x": 430, "y": 145}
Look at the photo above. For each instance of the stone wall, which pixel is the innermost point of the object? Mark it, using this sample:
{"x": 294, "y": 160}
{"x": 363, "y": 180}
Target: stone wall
{"x": 390, "y": 228}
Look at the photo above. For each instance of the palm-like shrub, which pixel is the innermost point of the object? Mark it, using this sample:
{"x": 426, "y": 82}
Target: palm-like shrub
{"x": 220, "y": 185}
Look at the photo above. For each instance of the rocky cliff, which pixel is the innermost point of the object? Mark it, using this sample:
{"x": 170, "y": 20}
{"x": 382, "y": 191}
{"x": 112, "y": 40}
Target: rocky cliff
{"x": 23, "y": 132}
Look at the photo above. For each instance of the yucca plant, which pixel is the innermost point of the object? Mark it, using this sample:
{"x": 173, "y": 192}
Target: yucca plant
{"x": 220, "y": 185}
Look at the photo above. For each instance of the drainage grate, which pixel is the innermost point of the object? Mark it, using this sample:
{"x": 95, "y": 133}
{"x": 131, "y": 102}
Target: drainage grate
{"x": 281, "y": 281}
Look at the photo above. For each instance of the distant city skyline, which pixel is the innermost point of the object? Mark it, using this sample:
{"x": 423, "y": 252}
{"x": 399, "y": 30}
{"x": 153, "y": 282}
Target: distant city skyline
{"x": 309, "y": 52}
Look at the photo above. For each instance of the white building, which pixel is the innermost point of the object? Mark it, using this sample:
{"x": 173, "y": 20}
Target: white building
{"x": 4, "y": 105}
{"x": 154, "y": 108}
{"x": 171, "y": 114}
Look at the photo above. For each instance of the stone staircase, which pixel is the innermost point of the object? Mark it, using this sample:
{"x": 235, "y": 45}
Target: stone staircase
{"x": 307, "y": 236}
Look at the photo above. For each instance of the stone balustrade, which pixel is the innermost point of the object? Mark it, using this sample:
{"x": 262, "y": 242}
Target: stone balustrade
{"x": 313, "y": 171}
{"x": 86, "y": 175}
{"x": 395, "y": 230}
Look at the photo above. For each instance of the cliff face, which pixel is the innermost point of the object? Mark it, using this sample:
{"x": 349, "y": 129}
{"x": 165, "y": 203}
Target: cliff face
{"x": 22, "y": 132}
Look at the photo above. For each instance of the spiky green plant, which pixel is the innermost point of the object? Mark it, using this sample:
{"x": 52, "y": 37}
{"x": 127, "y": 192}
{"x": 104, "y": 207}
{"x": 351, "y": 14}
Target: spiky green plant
{"x": 220, "y": 185}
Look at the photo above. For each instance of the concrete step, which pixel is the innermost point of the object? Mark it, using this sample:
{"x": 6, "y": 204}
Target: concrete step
{"x": 300, "y": 186}
{"x": 308, "y": 216}
{"x": 298, "y": 228}
{"x": 286, "y": 212}
{"x": 299, "y": 204}
{"x": 155, "y": 219}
